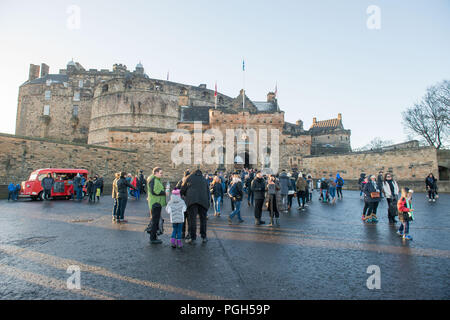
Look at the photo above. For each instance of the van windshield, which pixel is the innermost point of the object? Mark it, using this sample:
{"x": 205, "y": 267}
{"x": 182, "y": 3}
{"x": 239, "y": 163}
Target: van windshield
{"x": 32, "y": 177}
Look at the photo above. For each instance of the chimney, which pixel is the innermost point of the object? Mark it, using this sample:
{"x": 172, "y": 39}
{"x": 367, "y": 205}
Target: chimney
{"x": 44, "y": 69}
{"x": 299, "y": 123}
{"x": 339, "y": 116}
{"x": 34, "y": 72}
{"x": 270, "y": 97}
{"x": 314, "y": 120}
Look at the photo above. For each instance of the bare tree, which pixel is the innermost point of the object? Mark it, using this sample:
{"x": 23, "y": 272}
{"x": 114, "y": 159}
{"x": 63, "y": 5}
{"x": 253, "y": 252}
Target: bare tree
{"x": 375, "y": 144}
{"x": 430, "y": 118}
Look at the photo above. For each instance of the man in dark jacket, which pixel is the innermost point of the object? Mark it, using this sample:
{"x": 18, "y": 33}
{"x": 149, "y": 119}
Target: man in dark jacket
{"x": 122, "y": 196}
{"x": 258, "y": 188}
{"x": 195, "y": 191}
{"x": 78, "y": 186}
{"x": 380, "y": 182}
{"x": 142, "y": 182}
{"x": 47, "y": 183}
{"x": 100, "y": 183}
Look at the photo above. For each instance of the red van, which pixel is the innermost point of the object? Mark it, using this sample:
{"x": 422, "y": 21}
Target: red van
{"x": 63, "y": 186}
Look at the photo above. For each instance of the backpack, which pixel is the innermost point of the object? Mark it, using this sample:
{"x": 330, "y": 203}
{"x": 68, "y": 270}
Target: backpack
{"x": 340, "y": 182}
{"x": 324, "y": 185}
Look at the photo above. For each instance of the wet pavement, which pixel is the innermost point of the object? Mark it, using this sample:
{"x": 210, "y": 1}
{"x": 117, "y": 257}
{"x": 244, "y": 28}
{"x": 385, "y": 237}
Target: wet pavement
{"x": 320, "y": 253}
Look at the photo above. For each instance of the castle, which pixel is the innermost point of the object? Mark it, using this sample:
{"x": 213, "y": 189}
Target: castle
{"x": 106, "y": 121}
{"x": 129, "y": 110}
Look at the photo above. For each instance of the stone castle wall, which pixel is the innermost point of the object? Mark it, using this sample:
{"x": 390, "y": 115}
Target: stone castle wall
{"x": 60, "y": 121}
{"x": 408, "y": 164}
{"x": 137, "y": 92}
{"x": 21, "y": 155}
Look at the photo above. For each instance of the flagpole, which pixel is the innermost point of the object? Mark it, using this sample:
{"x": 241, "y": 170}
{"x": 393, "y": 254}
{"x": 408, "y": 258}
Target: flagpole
{"x": 243, "y": 86}
{"x": 215, "y": 97}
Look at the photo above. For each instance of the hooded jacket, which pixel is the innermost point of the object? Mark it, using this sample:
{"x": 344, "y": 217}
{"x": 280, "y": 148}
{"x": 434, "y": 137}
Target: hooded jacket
{"x": 195, "y": 190}
{"x": 11, "y": 187}
{"x": 176, "y": 208}
{"x": 301, "y": 184}
{"x": 258, "y": 187}
{"x": 284, "y": 183}
{"x": 338, "y": 180}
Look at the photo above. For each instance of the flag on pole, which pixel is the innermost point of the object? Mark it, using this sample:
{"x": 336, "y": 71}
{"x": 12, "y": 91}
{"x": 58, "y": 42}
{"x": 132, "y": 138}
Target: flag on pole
{"x": 215, "y": 96}
{"x": 167, "y": 75}
{"x": 276, "y": 90}
{"x": 243, "y": 86}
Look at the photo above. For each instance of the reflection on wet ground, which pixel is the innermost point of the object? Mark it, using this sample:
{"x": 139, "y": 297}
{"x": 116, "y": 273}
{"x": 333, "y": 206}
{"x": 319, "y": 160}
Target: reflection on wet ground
{"x": 320, "y": 253}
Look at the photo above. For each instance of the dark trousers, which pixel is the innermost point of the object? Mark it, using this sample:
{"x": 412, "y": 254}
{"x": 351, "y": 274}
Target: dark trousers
{"x": 232, "y": 204}
{"x": 155, "y": 215}
{"x": 115, "y": 208}
{"x": 301, "y": 198}
{"x": 195, "y": 210}
{"x": 47, "y": 193}
{"x": 431, "y": 194}
{"x": 258, "y": 208}
{"x": 339, "y": 191}
{"x": 185, "y": 225}
{"x": 366, "y": 208}
{"x": 79, "y": 193}
{"x": 392, "y": 209}
{"x": 122, "y": 206}
{"x": 91, "y": 196}
{"x": 373, "y": 207}
{"x": 273, "y": 206}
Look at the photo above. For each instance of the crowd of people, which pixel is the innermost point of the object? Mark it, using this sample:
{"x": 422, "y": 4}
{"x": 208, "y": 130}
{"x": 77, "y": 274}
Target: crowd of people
{"x": 196, "y": 192}
{"x": 193, "y": 195}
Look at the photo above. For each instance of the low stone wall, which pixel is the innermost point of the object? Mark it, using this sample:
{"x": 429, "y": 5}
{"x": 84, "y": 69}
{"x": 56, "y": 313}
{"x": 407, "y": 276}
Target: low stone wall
{"x": 406, "y": 165}
{"x": 20, "y": 156}
{"x": 417, "y": 186}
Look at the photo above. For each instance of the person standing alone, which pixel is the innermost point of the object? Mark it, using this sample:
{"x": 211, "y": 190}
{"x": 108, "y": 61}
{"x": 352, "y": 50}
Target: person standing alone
{"x": 47, "y": 183}
{"x": 258, "y": 187}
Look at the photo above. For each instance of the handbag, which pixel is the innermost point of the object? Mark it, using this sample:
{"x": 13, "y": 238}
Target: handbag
{"x": 374, "y": 194}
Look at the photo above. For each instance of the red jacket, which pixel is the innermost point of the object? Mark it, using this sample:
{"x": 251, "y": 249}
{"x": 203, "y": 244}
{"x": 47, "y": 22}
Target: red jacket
{"x": 401, "y": 206}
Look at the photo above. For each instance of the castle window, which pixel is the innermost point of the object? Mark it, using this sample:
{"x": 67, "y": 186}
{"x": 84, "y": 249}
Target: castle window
{"x": 80, "y": 83}
{"x": 46, "y": 110}
{"x": 48, "y": 82}
{"x": 48, "y": 95}
{"x": 105, "y": 88}
{"x": 75, "y": 111}
{"x": 220, "y": 100}
{"x": 65, "y": 84}
{"x": 76, "y": 96}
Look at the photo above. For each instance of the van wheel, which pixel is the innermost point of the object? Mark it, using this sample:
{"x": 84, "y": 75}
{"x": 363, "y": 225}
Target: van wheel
{"x": 41, "y": 196}
{"x": 33, "y": 199}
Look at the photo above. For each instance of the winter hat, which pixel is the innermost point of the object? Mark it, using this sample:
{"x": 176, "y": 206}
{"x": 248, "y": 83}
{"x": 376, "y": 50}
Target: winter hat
{"x": 176, "y": 192}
